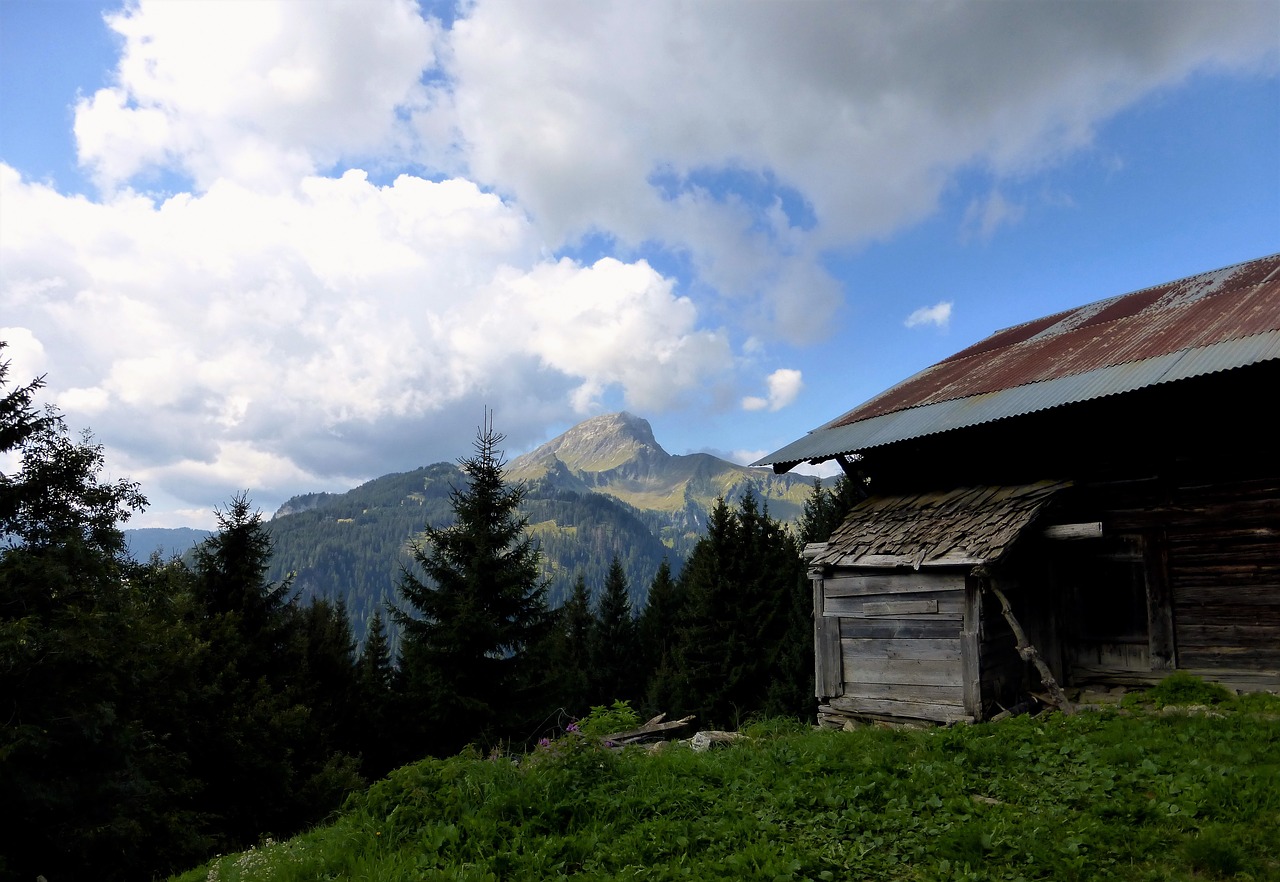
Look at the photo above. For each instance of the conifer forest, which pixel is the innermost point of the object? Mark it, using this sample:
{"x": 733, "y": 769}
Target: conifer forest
{"x": 157, "y": 713}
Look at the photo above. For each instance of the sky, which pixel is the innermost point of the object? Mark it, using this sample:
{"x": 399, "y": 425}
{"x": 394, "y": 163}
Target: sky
{"x": 286, "y": 246}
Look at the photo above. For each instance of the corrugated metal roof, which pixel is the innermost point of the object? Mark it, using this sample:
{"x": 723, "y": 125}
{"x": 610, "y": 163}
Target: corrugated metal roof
{"x": 1211, "y": 322}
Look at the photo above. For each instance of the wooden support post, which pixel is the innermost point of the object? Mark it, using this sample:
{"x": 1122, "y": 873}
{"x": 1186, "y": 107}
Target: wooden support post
{"x": 828, "y": 666}
{"x": 1027, "y": 651}
{"x": 971, "y": 648}
{"x": 1162, "y": 644}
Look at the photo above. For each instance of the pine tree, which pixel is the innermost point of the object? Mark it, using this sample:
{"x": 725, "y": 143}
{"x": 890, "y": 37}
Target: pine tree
{"x": 470, "y": 656}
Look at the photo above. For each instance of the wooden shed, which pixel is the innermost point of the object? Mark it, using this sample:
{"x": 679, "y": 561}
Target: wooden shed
{"x": 1088, "y": 499}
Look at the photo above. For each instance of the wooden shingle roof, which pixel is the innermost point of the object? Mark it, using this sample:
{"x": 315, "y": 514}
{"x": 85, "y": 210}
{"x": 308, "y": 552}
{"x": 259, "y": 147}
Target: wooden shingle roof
{"x": 962, "y": 527}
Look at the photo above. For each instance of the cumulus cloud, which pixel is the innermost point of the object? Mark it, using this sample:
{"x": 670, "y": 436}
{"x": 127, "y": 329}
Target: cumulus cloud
{"x": 938, "y": 315}
{"x": 260, "y": 93}
{"x": 250, "y": 338}
{"x": 783, "y": 386}
{"x": 282, "y": 319}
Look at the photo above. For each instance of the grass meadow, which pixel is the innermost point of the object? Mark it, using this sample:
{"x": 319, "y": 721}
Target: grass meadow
{"x": 1138, "y": 792}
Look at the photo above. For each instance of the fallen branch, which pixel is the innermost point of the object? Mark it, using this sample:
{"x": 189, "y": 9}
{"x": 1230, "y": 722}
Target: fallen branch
{"x": 653, "y": 727}
{"x": 1029, "y": 652}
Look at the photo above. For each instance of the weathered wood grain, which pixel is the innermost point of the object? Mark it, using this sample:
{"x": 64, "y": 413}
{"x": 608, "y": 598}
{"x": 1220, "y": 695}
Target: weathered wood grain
{"x": 892, "y": 583}
{"x": 940, "y": 649}
{"x": 948, "y": 695}
{"x": 904, "y": 671}
{"x": 907, "y": 709}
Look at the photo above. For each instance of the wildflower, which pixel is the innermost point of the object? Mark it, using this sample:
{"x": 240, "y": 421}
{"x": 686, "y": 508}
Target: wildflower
{"x": 572, "y": 727}
{"x": 544, "y": 742}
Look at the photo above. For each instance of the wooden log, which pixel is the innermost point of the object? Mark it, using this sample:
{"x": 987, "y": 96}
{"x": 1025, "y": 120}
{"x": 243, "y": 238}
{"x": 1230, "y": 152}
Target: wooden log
{"x": 649, "y": 728}
{"x": 1073, "y": 531}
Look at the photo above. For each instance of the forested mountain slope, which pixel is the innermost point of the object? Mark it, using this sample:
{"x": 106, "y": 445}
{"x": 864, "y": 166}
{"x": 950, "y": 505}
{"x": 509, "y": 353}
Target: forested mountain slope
{"x": 604, "y": 488}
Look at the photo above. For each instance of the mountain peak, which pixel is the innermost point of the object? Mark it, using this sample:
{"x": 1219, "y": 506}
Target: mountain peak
{"x": 595, "y": 445}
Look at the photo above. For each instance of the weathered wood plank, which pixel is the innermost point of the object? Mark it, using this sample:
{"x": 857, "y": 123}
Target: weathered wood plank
{"x": 899, "y": 607}
{"x": 897, "y": 583}
{"x": 906, "y": 709}
{"x": 1161, "y": 648}
{"x": 941, "y": 649}
{"x": 933, "y": 626}
{"x": 949, "y": 695}
{"x": 827, "y": 664}
{"x": 970, "y": 652}
{"x": 905, "y": 671}
{"x": 950, "y": 603}
{"x": 1200, "y": 633}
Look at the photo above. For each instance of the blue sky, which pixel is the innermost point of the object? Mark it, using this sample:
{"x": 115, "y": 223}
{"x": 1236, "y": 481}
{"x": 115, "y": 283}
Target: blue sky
{"x": 289, "y": 246}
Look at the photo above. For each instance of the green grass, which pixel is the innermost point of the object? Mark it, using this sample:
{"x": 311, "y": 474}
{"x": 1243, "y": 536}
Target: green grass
{"x": 1108, "y": 795}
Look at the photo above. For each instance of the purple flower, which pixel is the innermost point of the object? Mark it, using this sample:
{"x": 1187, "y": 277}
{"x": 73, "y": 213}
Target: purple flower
{"x": 544, "y": 742}
{"x": 572, "y": 727}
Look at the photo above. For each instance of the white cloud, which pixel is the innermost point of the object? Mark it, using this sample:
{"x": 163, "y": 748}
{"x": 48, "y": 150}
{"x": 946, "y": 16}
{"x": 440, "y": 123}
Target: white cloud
{"x": 983, "y": 217}
{"x": 246, "y": 339}
{"x": 261, "y": 92}
{"x": 287, "y": 322}
{"x": 938, "y": 315}
{"x": 783, "y": 384}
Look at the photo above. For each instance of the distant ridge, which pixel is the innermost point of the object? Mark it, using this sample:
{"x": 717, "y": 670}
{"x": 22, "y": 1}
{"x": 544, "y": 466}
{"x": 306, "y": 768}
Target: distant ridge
{"x": 602, "y": 489}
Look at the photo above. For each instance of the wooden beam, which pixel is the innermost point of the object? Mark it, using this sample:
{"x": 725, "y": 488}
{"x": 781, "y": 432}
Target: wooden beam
{"x": 1073, "y": 531}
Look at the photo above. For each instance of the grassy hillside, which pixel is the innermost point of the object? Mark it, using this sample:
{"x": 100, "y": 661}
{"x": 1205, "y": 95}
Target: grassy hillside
{"x": 1138, "y": 795}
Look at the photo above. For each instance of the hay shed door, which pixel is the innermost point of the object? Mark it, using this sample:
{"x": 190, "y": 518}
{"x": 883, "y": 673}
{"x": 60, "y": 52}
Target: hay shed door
{"x": 900, "y": 637}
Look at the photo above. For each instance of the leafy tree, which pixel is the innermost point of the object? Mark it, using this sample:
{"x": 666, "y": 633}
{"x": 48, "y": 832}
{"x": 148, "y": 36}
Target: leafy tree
{"x": 614, "y": 652}
{"x": 471, "y": 653}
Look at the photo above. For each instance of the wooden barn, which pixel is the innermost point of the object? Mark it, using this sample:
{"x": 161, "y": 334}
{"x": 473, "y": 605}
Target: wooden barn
{"x": 1090, "y": 499}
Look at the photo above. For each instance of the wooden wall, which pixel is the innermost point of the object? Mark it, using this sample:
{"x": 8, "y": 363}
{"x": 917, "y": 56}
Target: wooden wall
{"x": 898, "y": 638}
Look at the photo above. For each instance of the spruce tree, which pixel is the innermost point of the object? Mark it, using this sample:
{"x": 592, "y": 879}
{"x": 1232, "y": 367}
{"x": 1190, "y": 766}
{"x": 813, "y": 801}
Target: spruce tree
{"x": 614, "y": 656}
{"x": 572, "y": 652}
{"x": 656, "y": 631}
{"x": 740, "y": 582}
{"x": 471, "y": 646}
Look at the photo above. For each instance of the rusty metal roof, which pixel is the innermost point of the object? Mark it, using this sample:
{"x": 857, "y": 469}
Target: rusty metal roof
{"x": 962, "y": 527}
{"x": 1210, "y": 322}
